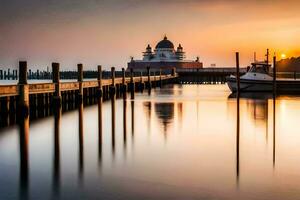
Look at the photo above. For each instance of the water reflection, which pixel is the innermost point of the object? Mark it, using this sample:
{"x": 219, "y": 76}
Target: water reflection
{"x": 165, "y": 114}
{"x": 274, "y": 130}
{"x": 81, "y": 146}
{"x": 224, "y": 151}
{"x": 113, "y": 123}
{"x": 24, "y": 156}
{"x": 237, "y": 139}
{"x": 100, "y": 129}
{"x": 56, "y": 160}
{"x": 124, "y": 120}
{"x": 132, "y": 120}
{"x": 148, "y": 111}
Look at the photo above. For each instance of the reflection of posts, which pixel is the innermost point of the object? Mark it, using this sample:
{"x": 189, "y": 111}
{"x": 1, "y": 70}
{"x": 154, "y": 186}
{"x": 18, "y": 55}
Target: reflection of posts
{"x": 124, "y": 120}
{"x": 132, "y": 118}
{"x": 113, "y": 113}
{"x": 274, "y": 130}
{"x": 99, "y": 95}
{"x": 81, "y": 156}
{"x": 238, "y": 138}
{"x": 23, "y": 112}
{"x": 56, "y": 160}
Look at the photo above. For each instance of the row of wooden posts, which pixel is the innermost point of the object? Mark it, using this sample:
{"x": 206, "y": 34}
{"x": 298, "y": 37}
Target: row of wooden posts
{"x": 25, "y": 103}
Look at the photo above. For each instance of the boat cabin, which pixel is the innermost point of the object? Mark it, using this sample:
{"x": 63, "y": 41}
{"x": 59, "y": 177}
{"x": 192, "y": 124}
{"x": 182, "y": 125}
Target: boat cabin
{"x": 260, "y": 67}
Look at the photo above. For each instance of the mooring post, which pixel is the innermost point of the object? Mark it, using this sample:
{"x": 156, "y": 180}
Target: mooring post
{"x": 131, "y": 84}
{"x": 23, "y": 103}
{"x": 274, "y": 76}
{"x": 23, "y": 120}
{"x": 80, "y": 80}
{"x": 237, "y": 57}
{"x": 112, "y": 89}
{"x": 99, "y": 78}
{"x": 56, "y": 81}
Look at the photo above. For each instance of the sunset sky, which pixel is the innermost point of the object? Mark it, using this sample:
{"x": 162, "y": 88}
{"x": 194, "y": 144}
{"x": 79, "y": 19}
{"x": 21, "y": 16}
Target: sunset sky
{"x": 108, "y": 32}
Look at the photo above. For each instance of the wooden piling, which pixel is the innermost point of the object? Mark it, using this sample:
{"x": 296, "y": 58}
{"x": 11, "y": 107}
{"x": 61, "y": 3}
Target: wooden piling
{"x": 23, "y": 104}
{"x": 99, "y": 78}
{"x": 237, "y": 57}
{"x": 112, "y": 89}
{"x": 80, "y": 79}
{"x": 55, "y": 79}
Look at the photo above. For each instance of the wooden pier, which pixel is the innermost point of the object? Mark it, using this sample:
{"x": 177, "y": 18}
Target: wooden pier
{"x": 38, "y": 100}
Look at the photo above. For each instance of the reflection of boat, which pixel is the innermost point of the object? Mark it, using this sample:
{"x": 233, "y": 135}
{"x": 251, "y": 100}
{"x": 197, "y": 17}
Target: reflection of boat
{"x": 257, "y": 79}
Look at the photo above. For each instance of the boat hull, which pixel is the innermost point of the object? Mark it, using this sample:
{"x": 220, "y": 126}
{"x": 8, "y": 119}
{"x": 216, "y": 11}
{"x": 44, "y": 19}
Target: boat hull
{"x": 289, "y": 86}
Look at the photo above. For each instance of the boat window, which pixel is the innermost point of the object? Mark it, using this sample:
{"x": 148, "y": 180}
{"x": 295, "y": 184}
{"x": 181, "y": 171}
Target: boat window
{"x": 259, "y": 69}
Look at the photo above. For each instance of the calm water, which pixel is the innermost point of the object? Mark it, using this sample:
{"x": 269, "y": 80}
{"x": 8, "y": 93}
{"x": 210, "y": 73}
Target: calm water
{"x": 181, "y": 142}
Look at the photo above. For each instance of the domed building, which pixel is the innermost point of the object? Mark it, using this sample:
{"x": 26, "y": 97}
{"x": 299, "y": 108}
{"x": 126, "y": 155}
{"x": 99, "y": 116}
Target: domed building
{"x": 164, "y": 56}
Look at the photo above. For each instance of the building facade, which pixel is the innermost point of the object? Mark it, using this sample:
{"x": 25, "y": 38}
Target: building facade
{"x": 164, "y": 56}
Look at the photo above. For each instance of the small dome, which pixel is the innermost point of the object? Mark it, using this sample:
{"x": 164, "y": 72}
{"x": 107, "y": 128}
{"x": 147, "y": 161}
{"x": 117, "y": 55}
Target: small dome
{"x": 165, "y": 44}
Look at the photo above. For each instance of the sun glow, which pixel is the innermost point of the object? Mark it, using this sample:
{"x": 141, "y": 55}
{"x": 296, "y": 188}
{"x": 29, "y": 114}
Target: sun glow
{"x": 283, "y": 56}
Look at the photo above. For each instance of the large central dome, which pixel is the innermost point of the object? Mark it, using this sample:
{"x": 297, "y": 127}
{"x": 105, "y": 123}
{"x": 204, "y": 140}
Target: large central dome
{"x": 165, "y": 44}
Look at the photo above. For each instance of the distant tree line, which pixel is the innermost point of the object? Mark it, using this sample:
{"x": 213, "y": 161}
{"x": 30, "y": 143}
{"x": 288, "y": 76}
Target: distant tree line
{"x": 289, "y": 65}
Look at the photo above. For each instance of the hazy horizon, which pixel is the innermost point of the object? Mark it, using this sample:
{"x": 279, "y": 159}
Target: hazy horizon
{"x": 109, "y": 32}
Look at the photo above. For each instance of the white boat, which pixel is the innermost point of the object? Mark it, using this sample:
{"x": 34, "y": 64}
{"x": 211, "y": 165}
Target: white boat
{"x": 258, "y": 79}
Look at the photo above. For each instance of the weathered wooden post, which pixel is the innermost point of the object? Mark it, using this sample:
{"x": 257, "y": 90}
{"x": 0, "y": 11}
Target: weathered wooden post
{"x": 237, "y": 57}
{"x": 80, "y": 80}
{"x": 274, "y": 76}
{"x": 23, "y": 103}
{"x": 112, "y": 89}
{"x": 131, "y": 84}
{"x": 23, "y": 112}
{"x": 55, "y": 79}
